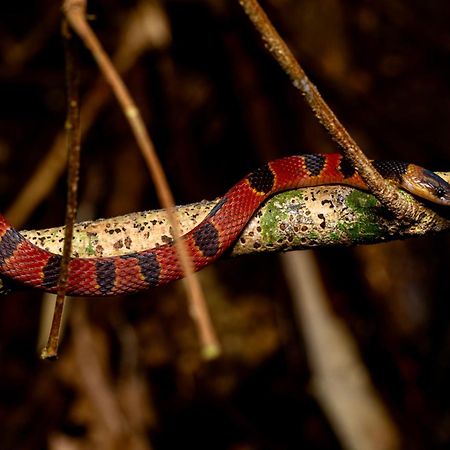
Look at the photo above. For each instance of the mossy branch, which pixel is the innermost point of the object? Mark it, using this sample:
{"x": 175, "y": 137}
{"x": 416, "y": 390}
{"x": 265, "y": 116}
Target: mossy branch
{"x": 304, "y": 218}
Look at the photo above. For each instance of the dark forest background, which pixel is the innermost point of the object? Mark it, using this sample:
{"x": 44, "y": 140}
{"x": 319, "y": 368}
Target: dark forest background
{"x": 217, "y": 105}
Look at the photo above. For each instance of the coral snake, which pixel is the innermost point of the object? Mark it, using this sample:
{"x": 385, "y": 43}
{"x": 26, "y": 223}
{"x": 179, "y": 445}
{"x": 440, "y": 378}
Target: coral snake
{"x": 23, "y": 262}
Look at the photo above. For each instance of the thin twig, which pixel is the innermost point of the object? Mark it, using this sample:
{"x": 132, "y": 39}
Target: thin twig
{"x": 73, "y": 149}
{"x": 75, "y": 12}
{"x": 385, "y": 192}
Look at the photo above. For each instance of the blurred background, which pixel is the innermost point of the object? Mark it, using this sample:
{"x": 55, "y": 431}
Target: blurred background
{"x": 130, "y": 373}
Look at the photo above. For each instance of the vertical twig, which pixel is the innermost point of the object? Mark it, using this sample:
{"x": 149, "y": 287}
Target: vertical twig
{"x": 73, "y": 148}
{"x": 388, "y": 195}
{"x": 75, "y": 11}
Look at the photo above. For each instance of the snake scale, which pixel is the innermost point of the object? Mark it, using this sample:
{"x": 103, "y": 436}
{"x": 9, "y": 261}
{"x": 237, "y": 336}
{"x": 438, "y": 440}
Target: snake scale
{"x": 23, "y": 262}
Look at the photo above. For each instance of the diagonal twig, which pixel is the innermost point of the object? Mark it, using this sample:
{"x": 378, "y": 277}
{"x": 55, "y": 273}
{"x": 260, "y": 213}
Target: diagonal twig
{"x": 388, "y": 195}
{"x": 75, "y": 11}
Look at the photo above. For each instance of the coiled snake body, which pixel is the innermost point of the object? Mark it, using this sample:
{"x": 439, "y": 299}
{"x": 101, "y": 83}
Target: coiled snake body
{"x": 23, "y": 262}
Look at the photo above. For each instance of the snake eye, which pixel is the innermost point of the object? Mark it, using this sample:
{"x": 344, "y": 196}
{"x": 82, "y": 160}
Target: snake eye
{"x": 440, "y": 192}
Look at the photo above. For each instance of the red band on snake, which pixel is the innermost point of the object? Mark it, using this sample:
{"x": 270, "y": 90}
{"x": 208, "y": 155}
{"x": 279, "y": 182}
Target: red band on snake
{"x": 23, "y": 262}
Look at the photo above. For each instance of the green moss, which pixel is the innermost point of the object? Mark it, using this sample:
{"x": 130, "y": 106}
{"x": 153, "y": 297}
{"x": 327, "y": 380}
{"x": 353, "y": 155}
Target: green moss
{"x": 275, "y": 214}
{"x": 313, "y": 235}
{"x": 90, "y": 250}
{"x": 366, "y": 225}
{"x": 335, "y": 236}
{"x": 360, "y": 201}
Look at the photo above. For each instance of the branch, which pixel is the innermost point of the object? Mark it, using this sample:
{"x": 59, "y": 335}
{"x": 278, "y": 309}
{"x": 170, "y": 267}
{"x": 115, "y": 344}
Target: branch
{"x": 305, "y": 218}
{"x": 73, "y": 151}
{"x": 339, "y": 379}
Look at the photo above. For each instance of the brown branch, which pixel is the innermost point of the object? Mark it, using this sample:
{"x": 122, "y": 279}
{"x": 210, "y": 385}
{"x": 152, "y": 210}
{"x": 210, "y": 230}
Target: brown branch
{"x": 304, "y": 218}
{"x": 73, "y": 149}
{"x": 75, "y": 11}
{"x": 388, "y": 195}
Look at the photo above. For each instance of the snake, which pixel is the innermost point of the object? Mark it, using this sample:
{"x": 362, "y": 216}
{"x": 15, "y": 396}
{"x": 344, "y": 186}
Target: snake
{"x": 27, "y": 264}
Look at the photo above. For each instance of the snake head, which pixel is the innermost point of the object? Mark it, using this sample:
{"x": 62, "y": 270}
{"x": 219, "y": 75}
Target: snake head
{"x": 426, "y": 184}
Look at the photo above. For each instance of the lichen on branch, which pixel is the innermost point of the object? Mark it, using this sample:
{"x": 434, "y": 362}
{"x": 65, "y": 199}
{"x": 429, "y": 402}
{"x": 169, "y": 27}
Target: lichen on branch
{"x": 303, "y": 218}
